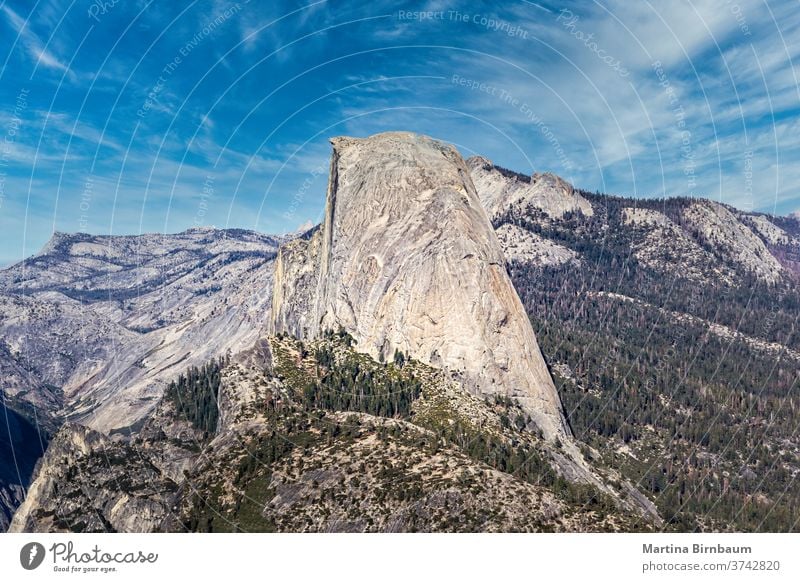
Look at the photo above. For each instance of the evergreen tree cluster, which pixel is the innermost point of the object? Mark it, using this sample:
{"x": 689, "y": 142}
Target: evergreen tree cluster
{"x": 354, "y": 384}
{"x": 195, "y": 396}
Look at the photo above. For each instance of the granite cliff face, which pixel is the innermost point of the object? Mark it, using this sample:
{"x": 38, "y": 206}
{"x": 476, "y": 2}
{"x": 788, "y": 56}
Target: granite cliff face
{"x": 406, "y": 259}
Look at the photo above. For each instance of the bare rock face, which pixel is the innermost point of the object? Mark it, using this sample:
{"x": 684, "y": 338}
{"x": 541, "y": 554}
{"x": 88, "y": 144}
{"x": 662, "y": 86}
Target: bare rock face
{"x": 722, "y": 230}
{"x": 295, "y": 285}
{"x": 522, "y": 246}
{"x": 94, "y": 327}
{"x": 770, "y": 232}
{"x": 668, "y": 248}
{"x": 500, "y": 189}
{"x": 407, "y": 259}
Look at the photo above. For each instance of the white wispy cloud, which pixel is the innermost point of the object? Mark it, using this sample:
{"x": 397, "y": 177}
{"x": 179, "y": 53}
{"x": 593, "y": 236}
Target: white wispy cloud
{"x": 31, "y": 42}
{"x": 728, "y": 70}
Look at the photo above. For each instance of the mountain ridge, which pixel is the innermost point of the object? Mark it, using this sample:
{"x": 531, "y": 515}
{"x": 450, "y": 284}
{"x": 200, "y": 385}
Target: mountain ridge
{"x": 207, "y": 291}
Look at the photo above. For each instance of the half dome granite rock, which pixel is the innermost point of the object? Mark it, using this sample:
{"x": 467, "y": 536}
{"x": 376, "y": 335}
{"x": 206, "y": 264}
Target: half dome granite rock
{"x": 406, "y": 259}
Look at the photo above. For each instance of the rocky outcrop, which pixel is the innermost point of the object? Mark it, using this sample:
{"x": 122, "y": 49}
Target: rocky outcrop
{"x": 89, "y": 483}
{"x": 722, "y": 231}
{"x": 276, "y": 463}
{"x": 770, "y": 232}
{"x": 667, "y": 248}
{"x": 407, "y": 260}
{"x": 21, "y": 445}
{"x": 522, "y": 246}
{"x": 500, "y": 190}
{"x": 93, "y": 482}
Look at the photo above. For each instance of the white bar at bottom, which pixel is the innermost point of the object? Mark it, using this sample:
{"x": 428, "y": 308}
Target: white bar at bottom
{"x": 333, "y": 557}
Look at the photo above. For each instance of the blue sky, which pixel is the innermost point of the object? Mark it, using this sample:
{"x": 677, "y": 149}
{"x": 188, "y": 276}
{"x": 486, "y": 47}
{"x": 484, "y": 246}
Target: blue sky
{"x": 154, "y": 116}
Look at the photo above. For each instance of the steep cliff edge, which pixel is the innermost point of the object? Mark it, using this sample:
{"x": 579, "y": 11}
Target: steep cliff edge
{"x": 406, "y": 259}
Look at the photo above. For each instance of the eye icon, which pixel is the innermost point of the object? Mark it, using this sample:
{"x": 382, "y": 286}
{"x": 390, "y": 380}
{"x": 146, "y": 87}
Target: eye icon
{"x": 31, "y": 555}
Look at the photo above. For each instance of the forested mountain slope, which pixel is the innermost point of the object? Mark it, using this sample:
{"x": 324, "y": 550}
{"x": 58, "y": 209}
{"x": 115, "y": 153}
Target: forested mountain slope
{"x": 671, "y": 330}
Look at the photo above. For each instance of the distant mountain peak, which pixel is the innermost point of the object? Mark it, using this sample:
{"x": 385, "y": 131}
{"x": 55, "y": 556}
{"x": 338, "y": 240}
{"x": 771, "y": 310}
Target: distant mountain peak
{"x": 202, "y": 230}
{"x": 59, "y": 238}
{"x": 501, "y": 189}
{"x": 478, "y": 161}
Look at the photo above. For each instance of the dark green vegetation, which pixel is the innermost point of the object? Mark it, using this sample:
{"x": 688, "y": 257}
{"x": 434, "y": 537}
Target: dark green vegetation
{"x": 332, "y": 376}
{"x": 521, "y": 457}
{"x": 359, "y": 386}
{"x": 606, "y": 244}
{"x": 195, "y": 396}
{"x": 706, "y": 424}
